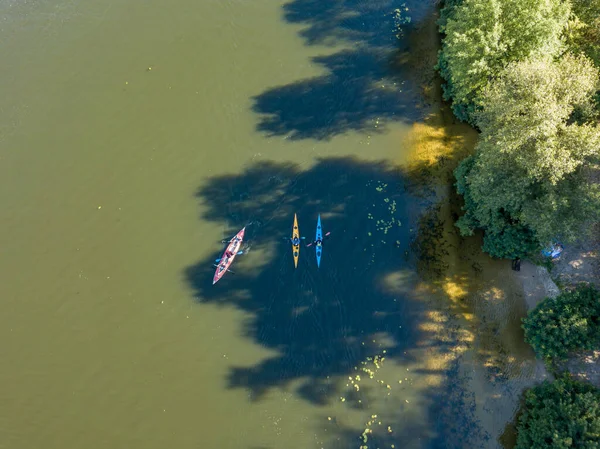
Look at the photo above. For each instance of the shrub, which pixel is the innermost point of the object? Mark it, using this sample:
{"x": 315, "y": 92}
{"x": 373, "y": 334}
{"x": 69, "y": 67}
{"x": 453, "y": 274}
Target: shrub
{"x": 562, "y": 414}
{"x": 568, "y": 322}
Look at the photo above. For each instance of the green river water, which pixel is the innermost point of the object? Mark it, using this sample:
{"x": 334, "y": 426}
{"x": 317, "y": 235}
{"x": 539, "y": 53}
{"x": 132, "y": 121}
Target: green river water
{"x": 134, "y": 136}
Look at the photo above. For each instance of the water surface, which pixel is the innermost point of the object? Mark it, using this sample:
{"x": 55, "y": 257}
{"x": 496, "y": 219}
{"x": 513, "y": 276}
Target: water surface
{"x": 135, "y": 136}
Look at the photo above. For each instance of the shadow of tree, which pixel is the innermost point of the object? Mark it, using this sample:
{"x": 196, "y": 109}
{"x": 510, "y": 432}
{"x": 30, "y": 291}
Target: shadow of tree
{"x": 387, "y": 231}
{"x": 370, "y": 23}
{"x": 357, "y": 93}
{"x": 352, "y": 21}
{"x": 364, "y": 85}
{"x": 323, "y": 323}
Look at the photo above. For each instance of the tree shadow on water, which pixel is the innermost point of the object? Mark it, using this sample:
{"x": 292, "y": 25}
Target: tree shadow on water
{"x": 362, "y": 87}
{"x": 356, "y": 94}
{"x": 357, "y": 22}
{"x": 321, "y": 322}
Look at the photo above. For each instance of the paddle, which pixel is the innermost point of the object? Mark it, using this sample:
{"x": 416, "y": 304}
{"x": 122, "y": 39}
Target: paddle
{"x": 219, "y": 259}
{"x": 216, "y": 266}
{"x": 310, "y": 244}
{"x": 289, "y": 238}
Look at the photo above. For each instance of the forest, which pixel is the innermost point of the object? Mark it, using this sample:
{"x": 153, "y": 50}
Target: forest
{"x": 526, "y": 75}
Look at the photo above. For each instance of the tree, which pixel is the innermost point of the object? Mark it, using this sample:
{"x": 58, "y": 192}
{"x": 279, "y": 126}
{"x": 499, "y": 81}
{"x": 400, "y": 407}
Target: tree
{"x": 564, "y": 414}
{"x": 568, "y": 322}
{"x": 583, "y": 36}
{"x": 527, "y": 176}
{"x": 504, "y": 237}
{"x": 583, "y": 32}
{"x": 482, "y": 36}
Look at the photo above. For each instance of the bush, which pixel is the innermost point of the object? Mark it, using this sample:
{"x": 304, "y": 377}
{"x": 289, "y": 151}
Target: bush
{"x": 504, "y": 236}
{"x": 562, "y": 414}
{"x": 568, "y": 322}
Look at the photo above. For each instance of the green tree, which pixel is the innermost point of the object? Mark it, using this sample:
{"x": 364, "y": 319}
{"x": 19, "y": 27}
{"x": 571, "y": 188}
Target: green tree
{"x": 563, "y": 324}
{"x": 583, "y": 36}
{"x": 564, "y": 414}
{"x": 482, "y": 36}
{"x": 583, "y": 32}
{"x": 526, "y": 183}
{"x": 504, "y": 237}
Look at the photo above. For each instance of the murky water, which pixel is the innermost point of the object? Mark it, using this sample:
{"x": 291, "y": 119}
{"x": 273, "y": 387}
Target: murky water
{"x": 134, "y": 136}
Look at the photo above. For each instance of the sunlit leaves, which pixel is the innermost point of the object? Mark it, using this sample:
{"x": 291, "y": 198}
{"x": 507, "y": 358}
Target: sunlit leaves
{"x": 565, "y": 323}
{"x": 528, "y": 171}
{"x": 583, "y": 32}
{"x": 482, "y": 36}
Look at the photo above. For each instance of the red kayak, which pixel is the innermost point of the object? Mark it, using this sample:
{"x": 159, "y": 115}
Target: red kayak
{"x": 227, "y": 258}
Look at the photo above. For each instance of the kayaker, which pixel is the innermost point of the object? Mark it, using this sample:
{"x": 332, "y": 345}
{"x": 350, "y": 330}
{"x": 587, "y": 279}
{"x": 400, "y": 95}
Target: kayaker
{"x": 228, "y": 254}
{"x": 295, "y": 241}
{"x": 319, "y": 242}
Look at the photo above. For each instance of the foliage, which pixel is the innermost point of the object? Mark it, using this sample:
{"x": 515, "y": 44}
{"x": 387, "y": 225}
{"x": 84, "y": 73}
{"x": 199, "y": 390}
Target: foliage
{"x": 504, "y": 238}
{"x": 565, "y": 323}
{"x": 482, "y": 36}
{"x": 583, "y": 36}
{"x": 447, "y": 12}
{"x": 560, "y": 414}
{"x": 583, "y": 32}
{"x": 526, "y": 184}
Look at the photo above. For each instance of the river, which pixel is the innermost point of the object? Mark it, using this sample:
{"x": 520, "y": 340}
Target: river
{"x": 135, "y": 136}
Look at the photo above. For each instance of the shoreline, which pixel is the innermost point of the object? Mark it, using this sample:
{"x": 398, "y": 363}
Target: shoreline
{"x": 486, "y": 297}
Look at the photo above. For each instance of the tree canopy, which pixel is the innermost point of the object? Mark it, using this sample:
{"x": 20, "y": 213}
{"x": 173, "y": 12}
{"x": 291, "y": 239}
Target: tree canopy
{"x": 524, "y": 185}
{"x": 564, "y": 414}
{"x": 583, "y": 32}
{"x": 483, "y": 36}
{"x": 568, "y": 322}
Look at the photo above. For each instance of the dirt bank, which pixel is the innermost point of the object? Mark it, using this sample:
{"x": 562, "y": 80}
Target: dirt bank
{"x": 578, "y": 264}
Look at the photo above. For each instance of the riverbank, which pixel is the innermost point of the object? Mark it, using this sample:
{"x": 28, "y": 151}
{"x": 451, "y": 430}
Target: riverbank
{"x": 578, "y": 264}
{"x": 481, "y": 297}
{"x": 484, "y": 299}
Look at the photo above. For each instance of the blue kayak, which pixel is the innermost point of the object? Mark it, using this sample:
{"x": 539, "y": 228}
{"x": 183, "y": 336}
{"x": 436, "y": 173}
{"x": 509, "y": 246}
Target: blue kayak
{"x": 319, "y": 246}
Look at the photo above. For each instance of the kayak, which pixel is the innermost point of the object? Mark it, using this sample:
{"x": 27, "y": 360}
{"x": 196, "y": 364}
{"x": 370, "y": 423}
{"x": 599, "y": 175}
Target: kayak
{"x": 296, "y": 248}
{"x": 233, "y": 247}
{"x": 319, "y": 247}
